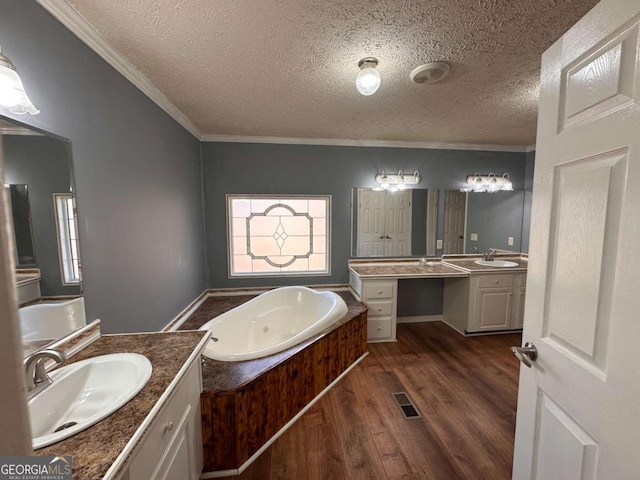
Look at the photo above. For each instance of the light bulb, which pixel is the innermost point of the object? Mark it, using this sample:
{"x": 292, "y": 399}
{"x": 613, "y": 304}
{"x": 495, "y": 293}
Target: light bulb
{"x": 401, "y": 182}
{"x": 368, "y": 79}
{"x": 384, "y": 181}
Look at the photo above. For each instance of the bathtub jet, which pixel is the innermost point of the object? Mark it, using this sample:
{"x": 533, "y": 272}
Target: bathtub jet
{"x": 272, "y": 322}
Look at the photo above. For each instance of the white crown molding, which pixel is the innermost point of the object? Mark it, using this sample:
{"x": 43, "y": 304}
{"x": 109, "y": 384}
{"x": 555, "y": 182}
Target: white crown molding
{"x": 75, "y": 22}
{"x": 361, "y": 143}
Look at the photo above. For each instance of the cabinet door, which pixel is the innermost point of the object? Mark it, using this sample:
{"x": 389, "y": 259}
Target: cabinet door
{"x": 517, "y": 320}
{"x": 176, "y": 464}
{"x": 493, "y": 308}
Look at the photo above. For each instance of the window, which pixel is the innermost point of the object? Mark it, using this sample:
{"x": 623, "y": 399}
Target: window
{"x": 67, "y": 227}
{"x": 278, "y": 235}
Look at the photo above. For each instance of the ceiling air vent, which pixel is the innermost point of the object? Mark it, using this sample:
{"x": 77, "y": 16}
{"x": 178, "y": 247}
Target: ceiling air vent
{"x": 430, "y": 72}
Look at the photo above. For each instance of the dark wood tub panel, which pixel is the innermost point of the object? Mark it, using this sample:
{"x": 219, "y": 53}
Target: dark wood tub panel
{"x": 237, "y": 423}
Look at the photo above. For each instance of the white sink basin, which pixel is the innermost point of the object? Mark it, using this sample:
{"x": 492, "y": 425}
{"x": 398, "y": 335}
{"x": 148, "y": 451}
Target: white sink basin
{"x": 84, "y": 393}
{"x": 496, "y": 263}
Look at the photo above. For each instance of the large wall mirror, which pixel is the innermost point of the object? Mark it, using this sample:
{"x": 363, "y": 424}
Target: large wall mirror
{"x": 432, "y": 222}
{"x": 38, "y": 185}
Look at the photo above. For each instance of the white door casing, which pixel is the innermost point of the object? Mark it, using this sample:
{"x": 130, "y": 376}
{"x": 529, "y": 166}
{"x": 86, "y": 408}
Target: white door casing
{"x": 579, "y": 404}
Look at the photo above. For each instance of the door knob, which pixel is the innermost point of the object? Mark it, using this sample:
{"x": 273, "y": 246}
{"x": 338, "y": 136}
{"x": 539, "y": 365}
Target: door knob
{"x": 380, "y": 237}
{"x": 526, "y": 354}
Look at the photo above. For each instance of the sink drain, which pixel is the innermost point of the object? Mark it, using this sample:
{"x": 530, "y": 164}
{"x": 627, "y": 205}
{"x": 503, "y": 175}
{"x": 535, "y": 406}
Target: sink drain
{"x": 65, "y": 426}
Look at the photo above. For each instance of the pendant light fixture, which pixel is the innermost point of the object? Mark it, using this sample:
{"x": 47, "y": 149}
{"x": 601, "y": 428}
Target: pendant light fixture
{"x": 368, "y": 79}
{"x": 12, "y": 94}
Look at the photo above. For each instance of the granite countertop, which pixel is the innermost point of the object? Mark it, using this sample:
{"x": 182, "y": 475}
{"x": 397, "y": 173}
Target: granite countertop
{"x": 405, "y": 269}
{"x": 224, "y": 376}
{"x": 96, "y": 449}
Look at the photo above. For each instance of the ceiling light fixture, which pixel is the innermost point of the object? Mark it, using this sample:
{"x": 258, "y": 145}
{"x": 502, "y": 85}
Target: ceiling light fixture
{"x": 488, "y": 183}
{"x": 12, "y": 94}
{"x": 399, "y": 181}
{"x": 368, "y": 80}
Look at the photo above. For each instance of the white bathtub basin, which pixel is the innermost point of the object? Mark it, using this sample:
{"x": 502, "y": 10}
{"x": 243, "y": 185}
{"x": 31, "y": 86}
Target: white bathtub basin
{"x": 49, "y": 320}
{"x": 496, "y": 263}
{"x": 272, "y": 322}
{"x": 84, "y": 393}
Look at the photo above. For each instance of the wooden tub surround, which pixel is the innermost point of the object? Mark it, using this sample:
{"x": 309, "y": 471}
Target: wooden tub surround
{"x": 246, "y": 405}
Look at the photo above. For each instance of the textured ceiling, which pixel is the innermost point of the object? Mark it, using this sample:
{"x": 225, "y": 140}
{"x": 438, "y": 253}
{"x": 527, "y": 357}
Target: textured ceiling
{"x": 287, "y": 68}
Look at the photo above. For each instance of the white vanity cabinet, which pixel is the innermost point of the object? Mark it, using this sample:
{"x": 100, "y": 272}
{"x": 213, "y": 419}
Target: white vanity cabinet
{"x": 485, "y": 302}
{"x": 171, "y": 448}
{"x": 381, "y": 298}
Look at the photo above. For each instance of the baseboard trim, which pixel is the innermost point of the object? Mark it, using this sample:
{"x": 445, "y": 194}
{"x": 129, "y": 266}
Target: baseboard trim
{"x": 247, "y": 464}
{"x": 420, "y": 319}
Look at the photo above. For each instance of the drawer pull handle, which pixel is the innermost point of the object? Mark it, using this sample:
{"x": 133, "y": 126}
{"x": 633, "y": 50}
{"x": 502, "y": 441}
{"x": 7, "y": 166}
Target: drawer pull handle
{"x": 168, "y": 427}
{"x": 379, "y": 292}
{"x": 496, "y": 281}
{"x": 379, "y": 309}
{"x": 379, "y": 329}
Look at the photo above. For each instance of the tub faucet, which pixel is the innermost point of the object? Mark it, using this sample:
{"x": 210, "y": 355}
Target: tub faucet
{"x": 36, "y": 375}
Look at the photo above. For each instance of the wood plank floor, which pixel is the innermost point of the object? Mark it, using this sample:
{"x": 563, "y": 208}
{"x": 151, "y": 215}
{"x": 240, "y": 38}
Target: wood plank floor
{"x": 464, "y": 387}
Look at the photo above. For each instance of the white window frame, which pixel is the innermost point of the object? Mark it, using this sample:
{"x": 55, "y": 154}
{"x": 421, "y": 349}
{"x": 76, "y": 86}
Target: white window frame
{"x": 297, "y": 273}
{"x": 67, "y": 233}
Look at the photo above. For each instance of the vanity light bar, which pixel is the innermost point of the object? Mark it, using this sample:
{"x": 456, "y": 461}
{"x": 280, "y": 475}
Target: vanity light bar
{"x": 488, "y": 183}
{"x": 397, "y": 181}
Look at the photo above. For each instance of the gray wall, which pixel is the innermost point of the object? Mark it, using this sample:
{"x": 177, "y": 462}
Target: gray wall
{"x": 528, "y": 192}
{"x": 137, "y": 174}
{"x": 43, "y": 163}
{"x": 303, "y": 169}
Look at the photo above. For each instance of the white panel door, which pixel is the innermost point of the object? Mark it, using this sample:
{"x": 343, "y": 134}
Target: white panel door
{"x": 371, "y": 222}
{"x": 455, "y": 205}
{"x": 579, "y": 403}
{"x": 398, "y": 220}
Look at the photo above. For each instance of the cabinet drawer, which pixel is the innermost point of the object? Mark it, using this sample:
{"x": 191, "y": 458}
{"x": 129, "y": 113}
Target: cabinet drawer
{"x": 378, "y": 329}
{"x": 500, "y": 280}
{"x": 379, "y": 290}
{"x": 377, "y": 309}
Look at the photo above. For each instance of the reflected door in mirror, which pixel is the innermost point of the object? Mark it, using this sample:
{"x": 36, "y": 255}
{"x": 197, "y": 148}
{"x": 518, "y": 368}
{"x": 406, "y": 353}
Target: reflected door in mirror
{"x": 384, "y": 223}
{"x": 454, "y": 221}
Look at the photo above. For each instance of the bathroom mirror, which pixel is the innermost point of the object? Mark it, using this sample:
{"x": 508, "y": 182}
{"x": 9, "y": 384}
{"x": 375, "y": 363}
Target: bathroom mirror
{"x": 435, "y": 221}
{"x": 482, "y": 220}
{"x": 38, "y": 168}
{"x": 394, "y": 224}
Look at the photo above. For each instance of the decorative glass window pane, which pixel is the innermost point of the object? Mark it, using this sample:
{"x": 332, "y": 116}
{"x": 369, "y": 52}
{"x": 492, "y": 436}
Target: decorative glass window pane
{"x": 279, "y": 235}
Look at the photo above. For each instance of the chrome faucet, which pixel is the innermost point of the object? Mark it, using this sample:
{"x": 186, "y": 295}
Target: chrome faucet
{"x": 488, "y": 256}
{"x": 36, "y": 375}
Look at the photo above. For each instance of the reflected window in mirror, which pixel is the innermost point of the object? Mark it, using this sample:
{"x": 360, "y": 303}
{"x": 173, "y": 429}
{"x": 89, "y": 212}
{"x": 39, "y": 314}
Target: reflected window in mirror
{"x": 68, "y": 247}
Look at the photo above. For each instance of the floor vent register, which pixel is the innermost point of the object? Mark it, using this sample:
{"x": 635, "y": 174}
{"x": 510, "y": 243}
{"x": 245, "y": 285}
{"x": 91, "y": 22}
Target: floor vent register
{"x": 409, "y": 410}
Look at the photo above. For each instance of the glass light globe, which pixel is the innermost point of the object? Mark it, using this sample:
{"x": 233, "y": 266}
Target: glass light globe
{"x": 12, "y": 94}
{"x": 368, "y": 80}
